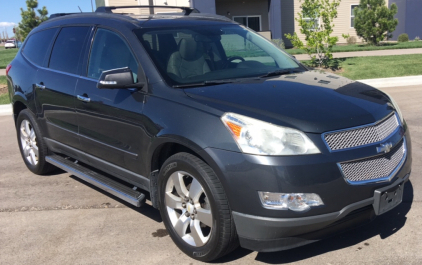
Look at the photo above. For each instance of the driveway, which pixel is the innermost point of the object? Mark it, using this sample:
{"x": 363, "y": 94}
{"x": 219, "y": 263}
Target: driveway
{"x": 57, "y": 219}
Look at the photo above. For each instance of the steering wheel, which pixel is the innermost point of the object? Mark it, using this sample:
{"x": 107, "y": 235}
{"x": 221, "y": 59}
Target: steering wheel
{"x": 232, "y": 58}
{"x": 226, "y": 64}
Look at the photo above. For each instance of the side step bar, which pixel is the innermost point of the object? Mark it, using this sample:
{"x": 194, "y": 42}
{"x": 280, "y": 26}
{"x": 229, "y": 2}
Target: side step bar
{"x": 119, "y": 190}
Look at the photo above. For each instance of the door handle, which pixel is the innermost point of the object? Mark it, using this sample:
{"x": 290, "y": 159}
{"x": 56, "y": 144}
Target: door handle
{"x": 40, "y": 86}
{"x": 84, "y": 99}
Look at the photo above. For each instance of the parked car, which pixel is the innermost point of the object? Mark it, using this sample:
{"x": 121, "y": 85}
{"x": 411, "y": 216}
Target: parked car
{"x": 10, "y": 44}
{"x": 232, "y": 139}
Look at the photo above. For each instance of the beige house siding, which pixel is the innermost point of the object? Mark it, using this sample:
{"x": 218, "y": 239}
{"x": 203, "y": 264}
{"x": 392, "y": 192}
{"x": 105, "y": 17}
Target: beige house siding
{"x": 142, "y": 11}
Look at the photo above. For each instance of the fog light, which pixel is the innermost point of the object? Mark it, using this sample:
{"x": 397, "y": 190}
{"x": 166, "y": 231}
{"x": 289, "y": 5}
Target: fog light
{"x": 294, "y": 201}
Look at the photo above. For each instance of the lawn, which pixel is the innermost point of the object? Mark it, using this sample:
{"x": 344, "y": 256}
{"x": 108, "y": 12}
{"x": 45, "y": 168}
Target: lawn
{"x": 4, "y": 96}
{"x": 366, "y": 47}
{"x": 358, "y": 68}
{"x": 6, "y": 56}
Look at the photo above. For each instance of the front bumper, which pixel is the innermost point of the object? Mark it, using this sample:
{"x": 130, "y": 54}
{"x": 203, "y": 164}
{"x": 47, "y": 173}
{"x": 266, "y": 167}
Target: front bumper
{"x": 345, "y": 205}
{"x": 273, "y": 234}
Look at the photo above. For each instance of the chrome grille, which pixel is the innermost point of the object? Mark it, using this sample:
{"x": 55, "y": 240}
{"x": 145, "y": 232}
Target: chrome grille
{"x": 363, "y": 135}
{"x": 375, "y": 168}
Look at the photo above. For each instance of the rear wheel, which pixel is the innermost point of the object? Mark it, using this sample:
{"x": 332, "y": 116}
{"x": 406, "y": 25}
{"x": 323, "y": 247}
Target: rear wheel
{"x": 31, "y": 144}
{"x": 194, "y": 208}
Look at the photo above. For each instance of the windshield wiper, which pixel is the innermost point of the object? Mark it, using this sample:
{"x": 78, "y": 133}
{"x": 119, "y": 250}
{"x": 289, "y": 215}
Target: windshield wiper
{"x": 280, "y": 72}
{"x": 206, "y": 83}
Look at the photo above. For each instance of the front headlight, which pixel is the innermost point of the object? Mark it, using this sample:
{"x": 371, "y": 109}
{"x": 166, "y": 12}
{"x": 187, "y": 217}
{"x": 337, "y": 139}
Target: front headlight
{"x": 262, "y": 138}
{"x": 396, "y": 106}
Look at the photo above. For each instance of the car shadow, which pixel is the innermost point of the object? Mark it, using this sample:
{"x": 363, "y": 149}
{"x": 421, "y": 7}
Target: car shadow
{"x": 146, "y": 209}
{"x": 384, "y": 226}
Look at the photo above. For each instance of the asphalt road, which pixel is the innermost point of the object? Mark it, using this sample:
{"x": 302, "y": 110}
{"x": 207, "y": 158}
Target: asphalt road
{"x": 58, "y": 219}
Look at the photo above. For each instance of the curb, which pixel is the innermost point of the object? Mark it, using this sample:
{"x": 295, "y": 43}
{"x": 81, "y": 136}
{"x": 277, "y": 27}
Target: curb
{"x": 394, "y": 81}
{"x": 6, "y": 110}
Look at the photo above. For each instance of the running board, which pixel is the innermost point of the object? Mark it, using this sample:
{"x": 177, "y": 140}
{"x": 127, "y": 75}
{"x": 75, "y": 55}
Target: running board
{"x": 119, "y": 190}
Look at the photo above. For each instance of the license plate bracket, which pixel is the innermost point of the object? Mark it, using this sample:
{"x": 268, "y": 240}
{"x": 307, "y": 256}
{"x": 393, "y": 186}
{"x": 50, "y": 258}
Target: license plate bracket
{"x": 387, "y": 199}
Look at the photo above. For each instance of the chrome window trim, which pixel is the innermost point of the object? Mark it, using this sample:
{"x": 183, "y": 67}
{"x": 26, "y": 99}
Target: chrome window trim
{"x": 360, "y": 127}
{"x": 378, "y": 180}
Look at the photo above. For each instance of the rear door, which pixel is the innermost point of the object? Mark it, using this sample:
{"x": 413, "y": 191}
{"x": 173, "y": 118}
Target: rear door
{"x": 110, "y": 120}
{"x": 56, "y": 83}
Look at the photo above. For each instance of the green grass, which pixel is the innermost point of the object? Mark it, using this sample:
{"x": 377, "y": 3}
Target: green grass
{"x": 358, "y": 68}
{"x": 365, "y": 47}
{"x": 6, "y": 56}
{"x": 4, "y": 99}
{"x": 3, "y": 80}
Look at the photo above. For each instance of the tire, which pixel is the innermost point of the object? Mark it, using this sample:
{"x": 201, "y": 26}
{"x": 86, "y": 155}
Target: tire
{"x": 209, "y": 232}
{"x": 29, "y": 140}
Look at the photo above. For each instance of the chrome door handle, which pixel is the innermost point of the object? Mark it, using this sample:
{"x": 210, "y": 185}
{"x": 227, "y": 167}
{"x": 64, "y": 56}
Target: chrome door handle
{"x": 84, "y": 99}
{"x": 40, "y": 86}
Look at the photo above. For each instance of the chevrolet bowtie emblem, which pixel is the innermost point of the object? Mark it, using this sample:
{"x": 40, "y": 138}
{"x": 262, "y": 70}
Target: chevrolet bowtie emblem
{"x": 384, "y": 148}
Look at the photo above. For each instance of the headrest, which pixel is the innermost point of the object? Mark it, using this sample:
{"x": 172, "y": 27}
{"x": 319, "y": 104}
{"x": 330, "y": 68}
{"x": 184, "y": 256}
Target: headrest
{"x": 188, "y": 49}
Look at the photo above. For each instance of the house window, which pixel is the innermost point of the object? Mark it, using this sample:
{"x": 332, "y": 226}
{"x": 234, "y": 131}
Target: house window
{"x": 315, "y": 24}
{"x": 352, "y": 15}
{"x": 252, "y": 22}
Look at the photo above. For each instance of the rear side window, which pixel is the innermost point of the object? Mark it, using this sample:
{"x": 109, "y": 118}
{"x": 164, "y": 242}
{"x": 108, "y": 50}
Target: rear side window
{"x": 67, "y": 49}
{"x": 37, "y": 45}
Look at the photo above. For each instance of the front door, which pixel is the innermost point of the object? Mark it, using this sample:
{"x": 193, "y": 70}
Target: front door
{"x": 110, "y": 120}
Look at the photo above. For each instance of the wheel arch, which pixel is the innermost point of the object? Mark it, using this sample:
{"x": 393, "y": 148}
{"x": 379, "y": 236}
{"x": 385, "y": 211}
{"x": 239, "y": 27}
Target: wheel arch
{"x": 18, "y": 106}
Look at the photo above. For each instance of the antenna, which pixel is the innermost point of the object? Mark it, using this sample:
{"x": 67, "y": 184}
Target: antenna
{"x": 80, "y": 9}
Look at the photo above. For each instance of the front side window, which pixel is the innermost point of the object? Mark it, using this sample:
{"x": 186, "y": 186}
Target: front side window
{"x": 352, "y": 15}
{"x": 37, "y": 45}
{"x": 109, "y": 51}
{"x": 198, "y": 54}
{"x": 67, "y": 49}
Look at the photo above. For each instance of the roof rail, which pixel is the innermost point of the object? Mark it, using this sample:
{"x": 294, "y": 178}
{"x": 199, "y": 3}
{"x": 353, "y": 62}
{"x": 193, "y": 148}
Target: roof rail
{"x": 108, "y": 9}
{"x": 61, "y": 15}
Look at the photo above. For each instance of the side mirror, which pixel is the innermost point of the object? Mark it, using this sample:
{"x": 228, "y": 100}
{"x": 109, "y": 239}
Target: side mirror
{"x": 118, "y": 78}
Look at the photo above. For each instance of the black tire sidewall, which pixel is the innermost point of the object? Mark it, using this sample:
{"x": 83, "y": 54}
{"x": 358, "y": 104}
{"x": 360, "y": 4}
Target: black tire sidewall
{"x": 205, "y": 252}
{"x": 40, "y": 167}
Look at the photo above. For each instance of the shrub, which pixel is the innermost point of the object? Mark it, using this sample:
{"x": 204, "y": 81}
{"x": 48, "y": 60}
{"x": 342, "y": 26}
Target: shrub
{"x": 403, "y": 38}
{"x": 374, "y": 21}
{"x": 279, "y": 43}
{"x": 316, "y": 23}
{"x": 351, "y": 40}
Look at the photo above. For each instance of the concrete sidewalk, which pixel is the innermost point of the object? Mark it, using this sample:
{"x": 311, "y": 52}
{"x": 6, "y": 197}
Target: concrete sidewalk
{"x": 2, "y": 71}
{"x": 302, "y": 57}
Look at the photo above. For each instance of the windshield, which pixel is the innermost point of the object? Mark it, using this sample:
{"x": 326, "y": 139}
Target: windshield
{"x": 200, "y": 54}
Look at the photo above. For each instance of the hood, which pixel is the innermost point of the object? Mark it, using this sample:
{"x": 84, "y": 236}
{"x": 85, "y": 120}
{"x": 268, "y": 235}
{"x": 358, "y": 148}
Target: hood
{"x": 311, "y": 101}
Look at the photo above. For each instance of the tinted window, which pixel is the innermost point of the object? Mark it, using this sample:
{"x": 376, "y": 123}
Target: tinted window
{"x": 37, "y": 45}
{"x": 110, "y": 51}
{"x": 67, "y": 49}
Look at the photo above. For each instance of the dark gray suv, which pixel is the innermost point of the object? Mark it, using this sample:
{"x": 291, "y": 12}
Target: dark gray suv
{"x": 231, "y": 138}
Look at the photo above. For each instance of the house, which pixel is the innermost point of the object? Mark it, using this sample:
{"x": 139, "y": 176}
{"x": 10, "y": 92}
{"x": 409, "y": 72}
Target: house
{"x": 410, "y": 19}
{"x": 274, "y": 18}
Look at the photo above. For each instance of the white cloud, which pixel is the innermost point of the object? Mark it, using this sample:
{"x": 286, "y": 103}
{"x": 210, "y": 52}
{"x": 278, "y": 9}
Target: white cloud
{"x": 7, "y": 24}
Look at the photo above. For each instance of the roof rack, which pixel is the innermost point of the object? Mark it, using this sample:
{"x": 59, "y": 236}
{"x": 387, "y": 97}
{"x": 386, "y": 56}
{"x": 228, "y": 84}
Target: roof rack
{"x": 108, "y": 9}
{"x": 61, "y": 15}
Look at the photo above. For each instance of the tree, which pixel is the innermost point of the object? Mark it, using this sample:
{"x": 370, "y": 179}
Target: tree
{"x": 30, "y": 19}
{"x": 374, "y": 21}
{"x": 316, "y": 23}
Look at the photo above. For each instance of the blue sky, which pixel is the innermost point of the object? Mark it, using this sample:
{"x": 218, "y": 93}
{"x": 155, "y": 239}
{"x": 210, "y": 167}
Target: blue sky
{"x": 10, "y": 10}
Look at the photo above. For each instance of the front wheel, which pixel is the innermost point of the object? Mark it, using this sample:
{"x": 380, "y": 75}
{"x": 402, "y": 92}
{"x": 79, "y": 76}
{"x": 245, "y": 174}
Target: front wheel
{"x": 194, "y": 208}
